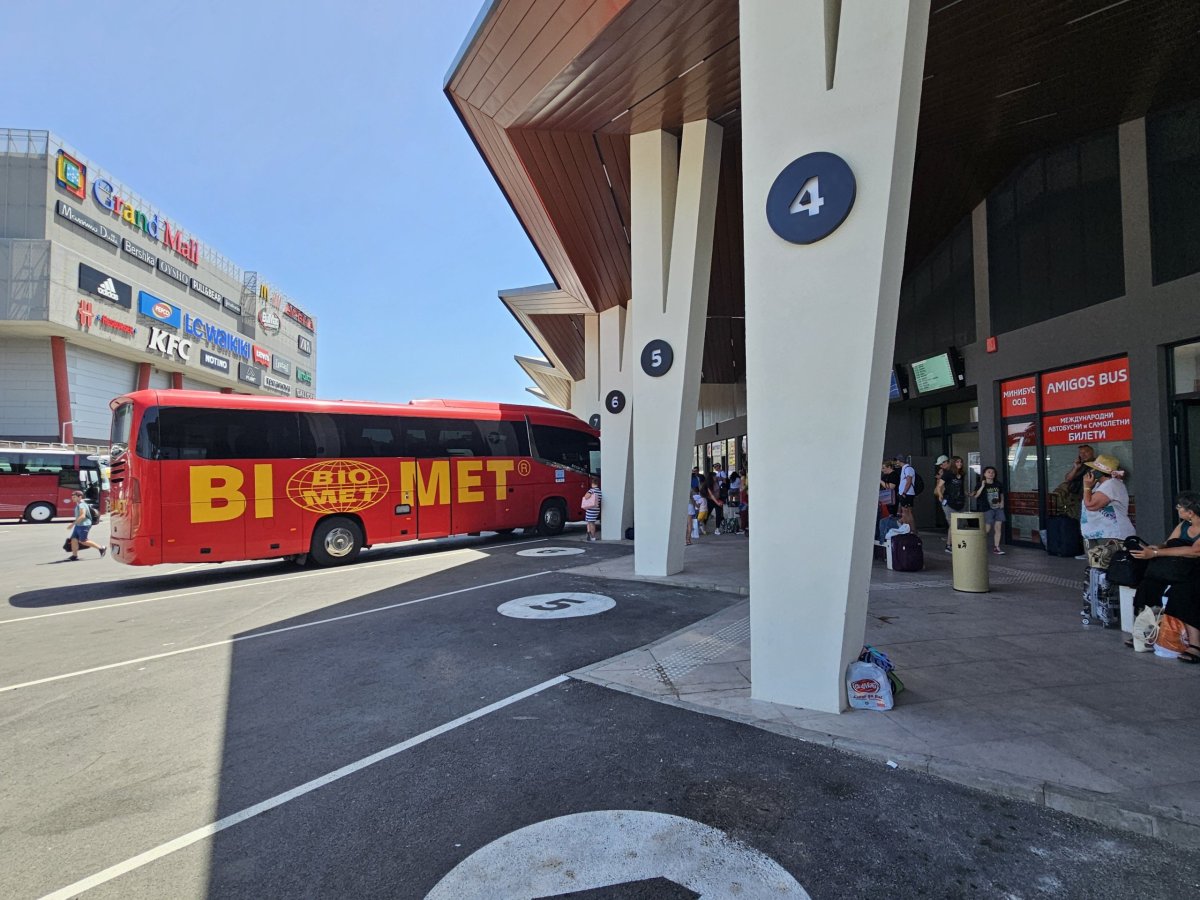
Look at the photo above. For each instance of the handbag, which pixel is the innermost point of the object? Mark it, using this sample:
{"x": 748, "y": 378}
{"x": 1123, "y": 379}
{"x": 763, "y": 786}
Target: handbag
{"x": 588, "y": 501}
{"x": 1145, "y": 629}
{"x": 1125, "y": 570}
{"x": 67, "y": 546}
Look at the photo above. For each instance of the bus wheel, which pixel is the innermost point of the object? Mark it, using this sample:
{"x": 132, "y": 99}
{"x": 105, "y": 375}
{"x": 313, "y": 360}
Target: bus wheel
{"x": 39, "y": 512}
{"x": 336, "y": 541}
{"x": 552, "y": 518}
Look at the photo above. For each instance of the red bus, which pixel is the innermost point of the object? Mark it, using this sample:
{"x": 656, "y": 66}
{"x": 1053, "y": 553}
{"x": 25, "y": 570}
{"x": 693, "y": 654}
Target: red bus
{"x": 206, "y": 477}
{"x": 36, "y": 483}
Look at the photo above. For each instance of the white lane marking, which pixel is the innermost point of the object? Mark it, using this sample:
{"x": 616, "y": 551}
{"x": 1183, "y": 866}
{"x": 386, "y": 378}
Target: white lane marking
{"x": 266, "y": 579}
{"x": 199, "y": 834}
{"x": 250, "y": 637}
{"x": 551, "y": 551}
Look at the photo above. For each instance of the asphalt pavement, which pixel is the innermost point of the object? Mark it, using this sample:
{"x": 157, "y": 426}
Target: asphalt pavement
{"x": 261, "y": 729}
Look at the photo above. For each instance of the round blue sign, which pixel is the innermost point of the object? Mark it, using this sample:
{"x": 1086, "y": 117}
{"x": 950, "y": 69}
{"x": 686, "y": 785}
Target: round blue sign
{"x": 811, "y": 198}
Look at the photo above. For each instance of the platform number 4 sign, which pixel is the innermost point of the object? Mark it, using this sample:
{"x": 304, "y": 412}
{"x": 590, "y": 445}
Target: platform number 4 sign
{"x": 810, "y": 198}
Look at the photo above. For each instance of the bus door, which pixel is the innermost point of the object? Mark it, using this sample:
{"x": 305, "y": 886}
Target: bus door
{"x": 433, "y": 490}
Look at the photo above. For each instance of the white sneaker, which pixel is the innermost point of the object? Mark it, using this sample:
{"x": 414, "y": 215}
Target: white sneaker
{"x": 1082, "y": 556}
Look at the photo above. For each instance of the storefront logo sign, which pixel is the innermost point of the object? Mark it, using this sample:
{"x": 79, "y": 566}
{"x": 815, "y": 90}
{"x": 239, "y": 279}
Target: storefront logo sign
{"x": 261, "y": 356}
{"x": 232, "y": 305}
{"x": 212, "y": 361}
{"x": 281, "y": 366}
{"x": 302, "y": 394}
{"x": 304, "y": 345}
{"x": 138, "y": 253}
{"x": 1093, "y": 384}
{"x": 70, "y": 174}
{"x": 249, "y": 374}
{"x": 216, "y": 336}
{"x": 205, "y": 291}
{"x": 171, "y": 272}
{"x": 104, "y": 285}
{"x": 120, "y": 328}
{"x": 1019, "y": 397}
{"x": 86, "y": 313}
{"x": 64, "y": 209}
{"x": 269, "y": 320}
{"x": 303, "y": 376}
{"x": 276, "y": 385}
{"x": 298, "y": 315}
{"x": 169, "y": 345}
{"x": 158, "y": 309}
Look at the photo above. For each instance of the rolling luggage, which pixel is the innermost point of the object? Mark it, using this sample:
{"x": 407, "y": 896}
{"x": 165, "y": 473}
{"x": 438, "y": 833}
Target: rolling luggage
{"x": 907, "y": 553}
{"x": 1101, "y": 601}
{"x": 1063, "y": 537}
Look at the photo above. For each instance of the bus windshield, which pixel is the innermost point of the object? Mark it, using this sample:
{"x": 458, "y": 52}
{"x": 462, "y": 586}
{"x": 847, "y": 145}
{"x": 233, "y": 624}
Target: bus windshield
{"x": 122, "y": 424}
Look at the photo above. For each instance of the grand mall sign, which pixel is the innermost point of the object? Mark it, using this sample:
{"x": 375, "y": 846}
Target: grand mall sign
{"x": 157, "y": 229}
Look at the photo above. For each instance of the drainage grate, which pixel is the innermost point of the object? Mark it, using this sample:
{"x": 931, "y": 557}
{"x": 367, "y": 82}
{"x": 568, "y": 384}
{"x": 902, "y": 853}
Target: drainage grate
{"x": 677, "y": 664}
{"x": 999, "y": 575}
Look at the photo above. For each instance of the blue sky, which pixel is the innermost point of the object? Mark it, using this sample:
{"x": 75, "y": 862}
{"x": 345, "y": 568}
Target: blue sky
{"x": 309, "y": 141}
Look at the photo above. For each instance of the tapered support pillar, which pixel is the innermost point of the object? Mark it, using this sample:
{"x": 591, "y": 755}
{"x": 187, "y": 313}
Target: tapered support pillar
{"x": 821, "y": 322}
{"x": 674, "y": 201}
{"x": 616, "y": 426}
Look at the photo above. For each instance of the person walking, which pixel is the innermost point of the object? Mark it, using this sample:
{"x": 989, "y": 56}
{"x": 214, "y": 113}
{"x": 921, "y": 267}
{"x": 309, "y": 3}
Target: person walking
{"x": 716, "y": 510}
{"x": 989, "y": 500}
{"x": 697, "y": 512}
{"x": 591, "y": 507}
{"x": 80, "y": 527}
{"x": 907, "y": 494}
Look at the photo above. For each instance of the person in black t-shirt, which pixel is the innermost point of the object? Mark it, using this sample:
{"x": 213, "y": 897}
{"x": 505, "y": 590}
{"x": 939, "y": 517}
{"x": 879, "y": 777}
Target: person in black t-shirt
{"x": 989, "y": 499}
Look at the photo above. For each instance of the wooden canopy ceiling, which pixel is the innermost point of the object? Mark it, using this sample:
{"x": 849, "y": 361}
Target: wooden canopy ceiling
{"x": 550, "y": 92}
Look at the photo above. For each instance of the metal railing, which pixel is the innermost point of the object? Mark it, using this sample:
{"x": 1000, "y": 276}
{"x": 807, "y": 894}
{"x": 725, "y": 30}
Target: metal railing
{"x": 53, "y": 445}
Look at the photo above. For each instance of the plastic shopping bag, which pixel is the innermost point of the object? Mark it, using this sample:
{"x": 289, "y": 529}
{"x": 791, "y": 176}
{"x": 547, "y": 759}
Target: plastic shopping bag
{"x": 867, "y": 686}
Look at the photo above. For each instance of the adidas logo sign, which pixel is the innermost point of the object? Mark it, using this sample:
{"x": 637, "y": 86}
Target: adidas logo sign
{"x": 108, "y": 289}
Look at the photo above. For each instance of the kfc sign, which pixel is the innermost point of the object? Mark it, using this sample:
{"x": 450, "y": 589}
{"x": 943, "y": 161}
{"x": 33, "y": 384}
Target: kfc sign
{"x": 169, "y": 345}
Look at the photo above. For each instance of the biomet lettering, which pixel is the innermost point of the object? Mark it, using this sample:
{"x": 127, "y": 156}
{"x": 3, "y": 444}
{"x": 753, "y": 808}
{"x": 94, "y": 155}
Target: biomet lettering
{"x": 220, "y": 493}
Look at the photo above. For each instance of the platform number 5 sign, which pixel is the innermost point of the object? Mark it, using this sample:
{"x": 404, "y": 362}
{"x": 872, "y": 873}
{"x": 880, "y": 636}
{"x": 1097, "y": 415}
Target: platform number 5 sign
{"x": 810, "y": 198}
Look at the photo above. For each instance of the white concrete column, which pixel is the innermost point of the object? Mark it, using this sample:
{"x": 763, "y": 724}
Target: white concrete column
{"x": 585, "y": 393}
{"x": 821, "y": 324}
{"x": 616, "y": 429}
{"x": 673, "y": 216}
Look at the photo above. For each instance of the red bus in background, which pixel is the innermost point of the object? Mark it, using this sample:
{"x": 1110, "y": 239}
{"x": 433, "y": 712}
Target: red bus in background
{"x": 36, "y": 483}
{"x": 207, "y": 477}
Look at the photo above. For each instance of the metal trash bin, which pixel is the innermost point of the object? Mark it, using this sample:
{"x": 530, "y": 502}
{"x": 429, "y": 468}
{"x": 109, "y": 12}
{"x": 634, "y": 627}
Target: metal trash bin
{"x": 969, "y": 546}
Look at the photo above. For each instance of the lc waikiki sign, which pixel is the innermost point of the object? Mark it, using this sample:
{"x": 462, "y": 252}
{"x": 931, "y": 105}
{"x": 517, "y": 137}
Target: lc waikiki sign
{"x": 157, "y": 229}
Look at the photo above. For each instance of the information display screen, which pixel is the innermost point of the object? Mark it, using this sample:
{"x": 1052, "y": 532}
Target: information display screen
{"x": 933, "y": 374}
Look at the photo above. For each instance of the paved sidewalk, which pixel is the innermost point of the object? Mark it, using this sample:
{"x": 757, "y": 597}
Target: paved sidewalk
{"x": 1005, "y": 691}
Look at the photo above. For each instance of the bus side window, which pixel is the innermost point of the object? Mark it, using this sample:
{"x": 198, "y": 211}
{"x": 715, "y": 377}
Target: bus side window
{"x": 461, "y": 437}
{"x": 9, "y": 464}
{"x": 320, "y": 437}
{"x": 503, "y": 438}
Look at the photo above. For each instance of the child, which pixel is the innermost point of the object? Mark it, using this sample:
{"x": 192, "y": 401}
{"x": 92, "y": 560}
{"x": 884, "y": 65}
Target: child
{"x": 591, "y": 507}
{"x": 700, "y": 507}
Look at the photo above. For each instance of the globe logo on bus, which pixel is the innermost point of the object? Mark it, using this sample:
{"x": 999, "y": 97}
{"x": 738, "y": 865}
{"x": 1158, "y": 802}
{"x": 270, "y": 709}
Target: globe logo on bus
{"x": 337, "y": 486}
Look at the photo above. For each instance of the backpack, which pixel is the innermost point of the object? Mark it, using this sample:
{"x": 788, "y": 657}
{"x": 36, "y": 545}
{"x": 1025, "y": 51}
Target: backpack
{"x": 93, "y": 511}
{"x": 918, "y": 484}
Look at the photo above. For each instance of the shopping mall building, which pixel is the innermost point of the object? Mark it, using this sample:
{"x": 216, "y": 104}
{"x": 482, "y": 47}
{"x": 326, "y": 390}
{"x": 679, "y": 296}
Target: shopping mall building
{"x": 101, "y": 292}
{"x": 796, "y": 235}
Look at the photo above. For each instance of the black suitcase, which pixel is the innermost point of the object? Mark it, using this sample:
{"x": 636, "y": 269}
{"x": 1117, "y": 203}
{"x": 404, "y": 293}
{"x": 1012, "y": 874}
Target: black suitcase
{"x": 1063, "y": 537}
{"x": 908, "y": 555}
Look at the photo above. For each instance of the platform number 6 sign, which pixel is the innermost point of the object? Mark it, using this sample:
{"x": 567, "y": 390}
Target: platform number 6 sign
{"x": 811, "y": 197}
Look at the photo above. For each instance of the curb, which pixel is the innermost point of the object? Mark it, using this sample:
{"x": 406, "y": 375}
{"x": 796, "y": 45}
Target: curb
{"x": 1149, "y": 820}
